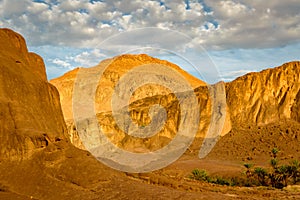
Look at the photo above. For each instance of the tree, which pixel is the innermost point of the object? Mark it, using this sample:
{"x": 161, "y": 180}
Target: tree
{"x": 248, "y": 171}
{"x": 274, "y": 152}
{"x": 261, "y": 175}
{"x": 294, "y": 170}
{"x": 283, "y": 172}
{"x": 274, "y": 163}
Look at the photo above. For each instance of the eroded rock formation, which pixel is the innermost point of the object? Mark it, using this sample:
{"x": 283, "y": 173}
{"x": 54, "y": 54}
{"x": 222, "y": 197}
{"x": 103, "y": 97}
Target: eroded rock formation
{"x": 141, "y": 100}
{"x": 30, "y": 112}
{"x": 254, "y": 99}
{"x": 265, "y": 97}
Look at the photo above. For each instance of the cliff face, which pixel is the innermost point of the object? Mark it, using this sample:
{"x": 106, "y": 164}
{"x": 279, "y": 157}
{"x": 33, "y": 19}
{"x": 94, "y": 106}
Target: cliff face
{"x": 141, "y": 99}
{"x": 265, "y": 97}
{"x": 30, "y": 113}
{"x": 254, "y": 99}
{"x": 117, "y": 67}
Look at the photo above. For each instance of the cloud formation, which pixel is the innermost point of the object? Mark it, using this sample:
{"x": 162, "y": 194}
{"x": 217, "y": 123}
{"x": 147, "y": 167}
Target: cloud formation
{"x": 66, "y": 32}
{"x": 214, "y": 24}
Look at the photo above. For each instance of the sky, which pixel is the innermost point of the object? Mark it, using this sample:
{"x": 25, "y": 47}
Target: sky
{"x": 230, "y": 37}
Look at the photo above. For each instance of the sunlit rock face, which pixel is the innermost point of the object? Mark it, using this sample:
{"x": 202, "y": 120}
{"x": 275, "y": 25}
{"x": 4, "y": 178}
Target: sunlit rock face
{"x": 30, "y": 114}
{"x": 254, "y": 99}
{"x": 265, "y": 97}
{"x": 139, "y": 103}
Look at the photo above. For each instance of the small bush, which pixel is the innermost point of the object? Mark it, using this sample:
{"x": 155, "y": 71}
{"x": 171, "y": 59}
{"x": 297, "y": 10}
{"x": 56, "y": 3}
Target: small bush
{"x": 278, "y": 176}
{"x": 200, "y": 175}
{"x": 222, "y": 181}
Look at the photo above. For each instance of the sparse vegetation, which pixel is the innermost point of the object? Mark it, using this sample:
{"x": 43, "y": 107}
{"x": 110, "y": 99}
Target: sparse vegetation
{"x": 202, "y": 175}
{"x": 277, "y": 176}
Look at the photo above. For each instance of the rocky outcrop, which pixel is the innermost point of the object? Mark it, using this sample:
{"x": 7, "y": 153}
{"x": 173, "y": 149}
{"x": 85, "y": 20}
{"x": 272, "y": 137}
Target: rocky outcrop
{"x": 254, "y": 99}
{"x": 265, "y": 97}
{"x": 141, "y": 100}
{"x": 116, "y": 67}
{"x": 30, "y": 112}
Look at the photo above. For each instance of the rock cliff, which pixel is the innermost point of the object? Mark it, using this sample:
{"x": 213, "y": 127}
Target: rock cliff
{"x": 142, "y": 98}
{"x": 255, "y": 99}
{"x": 265, "y": 97}
{"x": 30, "y": 113}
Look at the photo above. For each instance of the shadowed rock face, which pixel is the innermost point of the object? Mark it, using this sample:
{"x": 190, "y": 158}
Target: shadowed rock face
{"x": 30, "y": 112}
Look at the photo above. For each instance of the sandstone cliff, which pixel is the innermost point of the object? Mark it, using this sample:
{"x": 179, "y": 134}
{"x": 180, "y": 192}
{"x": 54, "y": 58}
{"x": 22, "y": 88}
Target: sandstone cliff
{"x": 254, "y": 99}
{"x": 265, "y": 97}
{"x": 30, "y": 113}
{"x": 142, "y": 98}
{"x": 117, "y": 67}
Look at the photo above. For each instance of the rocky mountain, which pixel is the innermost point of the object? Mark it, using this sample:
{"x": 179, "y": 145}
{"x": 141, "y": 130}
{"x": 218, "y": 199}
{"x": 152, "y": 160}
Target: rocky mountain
{"x": 254, "y": 99}
{"x": 265, "y": 97}
{"x": 264, "y": 113}
{"x": 30, "y": 111}
{"x": 141, "y": 99}
{"x": 116, "y": 67}
{"x": 37, "y": 160}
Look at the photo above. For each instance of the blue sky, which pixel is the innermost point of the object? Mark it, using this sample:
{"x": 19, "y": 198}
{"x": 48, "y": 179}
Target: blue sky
{"x": 238, "y": 36}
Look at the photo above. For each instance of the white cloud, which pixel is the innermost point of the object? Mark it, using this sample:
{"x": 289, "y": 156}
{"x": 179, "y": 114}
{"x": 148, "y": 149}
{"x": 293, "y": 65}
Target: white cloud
{"x": 81, "y": 23}
{"x": 216, "y": 25}
{"x": 61, "y": 63}
{"x": 229, "y": 76}
{"x": 88, "y": 58}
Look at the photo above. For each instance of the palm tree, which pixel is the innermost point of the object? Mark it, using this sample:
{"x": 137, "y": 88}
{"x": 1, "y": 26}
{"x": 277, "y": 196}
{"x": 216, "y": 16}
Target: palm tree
{"x": 261, "y": 175}
{"x": 274, "y": 175}
{"x": 248, "y": 167}
{"x": 274, "y": 152}
{"x": 294, "y": 170}
{"x": 274, "y": 163}
{"x": 283, "y": 172}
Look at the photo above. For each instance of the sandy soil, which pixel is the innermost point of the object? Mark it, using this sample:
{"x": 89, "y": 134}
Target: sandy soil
{"x": 61, "y": 171}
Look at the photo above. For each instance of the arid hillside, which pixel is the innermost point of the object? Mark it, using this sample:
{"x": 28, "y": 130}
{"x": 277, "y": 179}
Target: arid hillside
{"x": 141, "y": 100}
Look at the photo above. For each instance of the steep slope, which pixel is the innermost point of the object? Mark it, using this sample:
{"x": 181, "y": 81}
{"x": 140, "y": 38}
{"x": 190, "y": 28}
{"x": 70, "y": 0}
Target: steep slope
{"x": 117, "y": 67}
{"x": 265, "y": 97}
{"x": 141, "y": 99}
{"x": 30, "y": 112}
{"x": 256, "y": 99}
{"x": 264, "y": 110}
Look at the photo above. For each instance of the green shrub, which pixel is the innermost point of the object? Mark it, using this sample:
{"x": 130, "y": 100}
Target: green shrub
{"x": 278, "y": 176}
{"x": 200, "y": 175}
{"x": 262, "y": 175}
